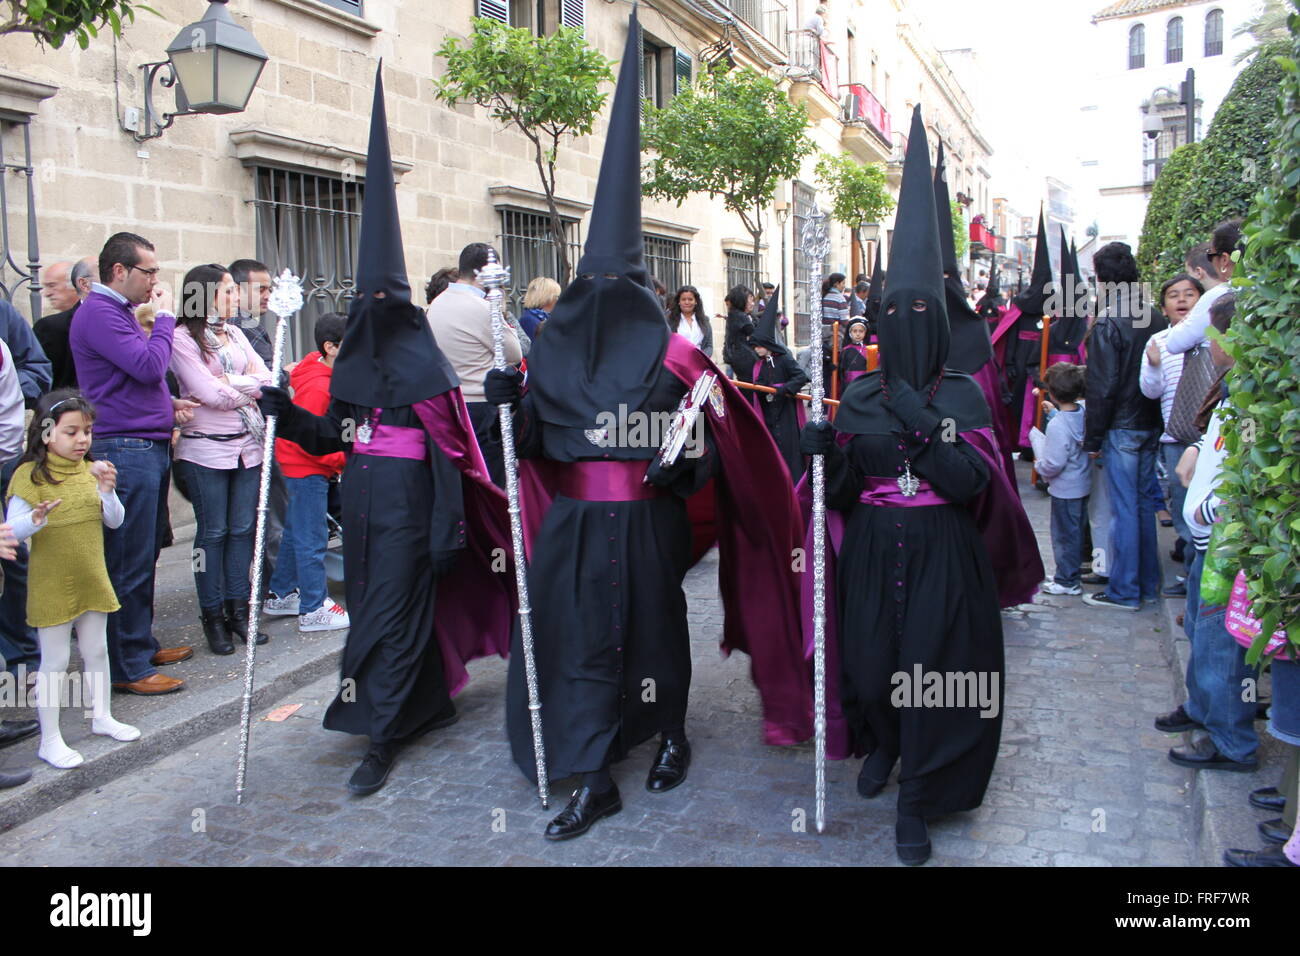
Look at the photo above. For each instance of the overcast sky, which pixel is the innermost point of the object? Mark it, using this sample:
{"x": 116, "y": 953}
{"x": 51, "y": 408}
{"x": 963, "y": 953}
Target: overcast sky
{"x": 1035, "y": 71}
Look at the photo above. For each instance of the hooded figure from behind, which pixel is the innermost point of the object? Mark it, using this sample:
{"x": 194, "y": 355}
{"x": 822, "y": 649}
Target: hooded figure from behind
{"x": 782, "y": 412}
{"x": 607, "y": 526}
{"x": 909, "y": 464}
{"x": 420, "y": 516}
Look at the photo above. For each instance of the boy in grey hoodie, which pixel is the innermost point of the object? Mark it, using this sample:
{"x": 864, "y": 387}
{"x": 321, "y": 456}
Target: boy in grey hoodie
{"x": 1063, "y": 464}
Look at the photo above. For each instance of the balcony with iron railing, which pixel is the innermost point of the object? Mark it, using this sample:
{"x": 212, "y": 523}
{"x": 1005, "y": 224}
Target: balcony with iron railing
{"x": 769, "y": 18}
{"x": 860, "y": 106}
{"x": 814, "y": 65}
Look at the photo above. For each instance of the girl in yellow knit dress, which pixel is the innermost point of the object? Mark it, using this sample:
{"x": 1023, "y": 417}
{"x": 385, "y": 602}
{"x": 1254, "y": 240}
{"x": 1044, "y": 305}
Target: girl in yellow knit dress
{"x": 58, "y": 499}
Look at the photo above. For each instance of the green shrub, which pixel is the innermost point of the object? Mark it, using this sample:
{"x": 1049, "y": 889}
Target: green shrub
{"x": 1159, "y": 229}
{"x": 1261, "y": 486}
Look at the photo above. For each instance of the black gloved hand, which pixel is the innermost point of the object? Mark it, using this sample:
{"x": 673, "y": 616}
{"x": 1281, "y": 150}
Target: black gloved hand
{"x": 790, "y": 390}
{"x": 817, "y": 438}
{"x": 503, "y": 387}
{"x": 904, "y": 402}
{"x": 663, "y": 477}
{"x": 444, "y": 562}
{"x": 275, "y": 401}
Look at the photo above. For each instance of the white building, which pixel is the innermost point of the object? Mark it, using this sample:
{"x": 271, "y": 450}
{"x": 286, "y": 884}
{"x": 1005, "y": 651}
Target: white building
{"x": 1141, "y": 52}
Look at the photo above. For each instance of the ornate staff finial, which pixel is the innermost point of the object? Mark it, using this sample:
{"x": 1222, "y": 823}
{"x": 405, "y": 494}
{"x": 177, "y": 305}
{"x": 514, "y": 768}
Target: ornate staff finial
{"x": 286, "y": 294}
{"x": 816, "y": 236}
{"x": 493, "y": 275}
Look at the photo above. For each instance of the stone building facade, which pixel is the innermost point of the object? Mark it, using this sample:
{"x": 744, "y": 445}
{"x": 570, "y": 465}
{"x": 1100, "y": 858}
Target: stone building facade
{"x": 282, "y": 180}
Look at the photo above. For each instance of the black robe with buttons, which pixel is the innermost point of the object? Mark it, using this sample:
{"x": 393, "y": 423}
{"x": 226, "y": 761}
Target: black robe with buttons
{"x": 609, "y": 621}
{"x": 398, "y": 513}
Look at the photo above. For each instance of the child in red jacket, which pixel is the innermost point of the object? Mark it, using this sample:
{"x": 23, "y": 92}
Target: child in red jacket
{"x": 298, "y": 585}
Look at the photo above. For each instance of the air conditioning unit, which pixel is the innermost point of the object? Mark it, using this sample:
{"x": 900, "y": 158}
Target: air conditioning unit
{"x": 852, "y": 106}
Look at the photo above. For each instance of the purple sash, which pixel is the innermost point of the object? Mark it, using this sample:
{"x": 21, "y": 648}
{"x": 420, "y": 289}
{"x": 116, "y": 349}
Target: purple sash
{"x": 885, "y": 492}
{"x": 605, "y": 481}
{"x": 394, "y": 441}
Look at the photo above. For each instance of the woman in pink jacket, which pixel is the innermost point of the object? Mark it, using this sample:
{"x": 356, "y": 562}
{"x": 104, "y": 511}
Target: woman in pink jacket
{"x": 219, "y": 452}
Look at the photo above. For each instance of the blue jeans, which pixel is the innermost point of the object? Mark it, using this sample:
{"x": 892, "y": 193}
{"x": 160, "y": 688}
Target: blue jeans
{"x": 1132, "y": 558}
{"x": 131, "y": 550}
{"x": 301, "y": 562}
{"x": 225, "y": 517}
{"x": 1195, "y": 564}
{"x": 17, "y": 640}
{"x": 1170, "y": 452}
{"x": 1069, "y": 518}
{"x": 1216, "y": 676}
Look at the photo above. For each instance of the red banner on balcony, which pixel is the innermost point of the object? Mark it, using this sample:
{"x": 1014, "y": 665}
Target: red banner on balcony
{"x": 866, "y": 107}
{"x": 982, "y": 234}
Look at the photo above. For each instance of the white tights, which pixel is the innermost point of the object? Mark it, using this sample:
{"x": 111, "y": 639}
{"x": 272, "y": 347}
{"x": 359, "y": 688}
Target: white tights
{"x": 56, "y": 650}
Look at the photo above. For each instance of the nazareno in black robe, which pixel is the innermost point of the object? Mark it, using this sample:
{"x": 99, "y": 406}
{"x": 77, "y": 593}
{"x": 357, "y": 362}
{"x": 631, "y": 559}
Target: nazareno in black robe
{"x": 397, "y": 514}
{"x": 782, "y": 413}
{"x": 608, "y": 612}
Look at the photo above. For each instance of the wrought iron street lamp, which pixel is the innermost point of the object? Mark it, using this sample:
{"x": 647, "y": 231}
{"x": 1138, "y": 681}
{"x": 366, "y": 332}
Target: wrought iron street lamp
{"x": 213, "y": 63}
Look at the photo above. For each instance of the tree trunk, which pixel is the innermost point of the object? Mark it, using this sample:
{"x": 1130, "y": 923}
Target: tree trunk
{"x": 546, "y": 172}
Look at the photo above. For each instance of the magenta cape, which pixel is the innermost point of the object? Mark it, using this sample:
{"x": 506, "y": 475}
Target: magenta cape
{"x": 751, "y": 507}
{"x": 475, "y": 604}
{"x": 1008, "y": 538}
{"x": 990, "y": 384}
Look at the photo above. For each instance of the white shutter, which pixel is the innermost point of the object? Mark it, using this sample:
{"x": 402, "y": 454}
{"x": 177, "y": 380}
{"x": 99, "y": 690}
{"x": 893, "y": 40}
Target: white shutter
{"x": 495, "y": 10}
{"x": 572, "y": 13}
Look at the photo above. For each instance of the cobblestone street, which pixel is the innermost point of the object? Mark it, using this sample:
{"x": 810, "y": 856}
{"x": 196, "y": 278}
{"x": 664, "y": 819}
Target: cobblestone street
{"x": 1082, "y": 777}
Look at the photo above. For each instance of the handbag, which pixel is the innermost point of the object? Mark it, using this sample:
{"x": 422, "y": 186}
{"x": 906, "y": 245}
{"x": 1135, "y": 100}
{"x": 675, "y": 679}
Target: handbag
{"x": 1197, "y": 377}
{"x": 1244, "y": 628}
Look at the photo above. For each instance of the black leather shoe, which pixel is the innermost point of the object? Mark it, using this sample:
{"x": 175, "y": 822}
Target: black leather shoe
{"x": 12, "y": 731}
{"x": 1203, "y": 755}
{"x": 1176, "y": 721}
{"x": 1268, "y": 798}
{"x": 912, "y": 840}
{"x": 214, "y": 629}
{"x": 1274, "y": 831}
{"x": 875, "y": 773}
{"x": 1176, "y": 590}
{"x": 8, "y": 780}
{"x": 1095, "y": 579}
{"x": 444, "y": 718}
{"x": 373, "y": 770}
{"x": 1261, "y": 709}
{"x": 670, "y": 766}
{"x": 584, "y": 809}
{"x": 237, "y": 622}
{"x": 1271, "y": 856}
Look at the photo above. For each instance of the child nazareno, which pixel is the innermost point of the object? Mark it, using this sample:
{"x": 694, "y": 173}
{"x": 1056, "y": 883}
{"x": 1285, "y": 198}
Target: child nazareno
{"x": 1062, "y": 462}
{"x": 58, "y": 498}
{"x": 776, "y": 368}
{"x": 298, "y": 585}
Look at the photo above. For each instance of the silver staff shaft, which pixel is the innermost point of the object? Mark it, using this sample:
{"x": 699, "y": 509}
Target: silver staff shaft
{"x": 816, "y": 244}
{"x": 494, "y": 276}
{"x": 259, "y": 554}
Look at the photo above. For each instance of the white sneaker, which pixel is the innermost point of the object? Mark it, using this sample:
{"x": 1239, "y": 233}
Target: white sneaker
{"x": 328, "y": 617}
{"x": 1051, "y": 587}
{"x": 281, "y": 606}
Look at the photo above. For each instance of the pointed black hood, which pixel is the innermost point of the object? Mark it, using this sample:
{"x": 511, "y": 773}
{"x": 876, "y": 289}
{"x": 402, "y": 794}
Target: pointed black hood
{"x": 388, "y": 357}
{"x": 970, "y": 347}
{"x": 1031, "y": 298}
{"x": 914, "y": 344}
{"x": 987, "y": 307}
{"x": 765, "y": 332}
{"x": 877, "y": 290}
{"x": 1069, "y": 322}
{"x": 606, "y": 338}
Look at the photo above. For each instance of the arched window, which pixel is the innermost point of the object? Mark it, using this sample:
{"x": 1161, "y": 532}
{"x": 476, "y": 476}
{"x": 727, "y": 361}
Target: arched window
{"x": 1174, "y": 41}
{"x": 1137, "y": 47}
{"x": 1214, "y": 33}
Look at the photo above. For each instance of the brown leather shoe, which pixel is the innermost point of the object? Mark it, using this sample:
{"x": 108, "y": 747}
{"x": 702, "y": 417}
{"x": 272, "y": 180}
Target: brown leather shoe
{"x": 151, "y": 685}
{"x": 171, "y": 655}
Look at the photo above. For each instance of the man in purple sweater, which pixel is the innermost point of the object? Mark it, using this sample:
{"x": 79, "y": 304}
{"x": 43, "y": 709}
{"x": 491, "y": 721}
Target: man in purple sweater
{"x": 123, "y": 372}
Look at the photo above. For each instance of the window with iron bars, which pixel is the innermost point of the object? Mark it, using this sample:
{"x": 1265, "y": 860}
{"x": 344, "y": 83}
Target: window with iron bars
{"x": 805, "y": 198}
{"x": 529, "y": 250}
{"x": 741, "y": 270}
{"x": 347, "y": 6}
{"x": 669, "y": 260}
{"x": 309, "y": 224}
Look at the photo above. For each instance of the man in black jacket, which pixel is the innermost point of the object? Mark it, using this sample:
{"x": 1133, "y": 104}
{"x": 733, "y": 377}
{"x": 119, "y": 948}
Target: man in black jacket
{"x": 1121, "y": 426}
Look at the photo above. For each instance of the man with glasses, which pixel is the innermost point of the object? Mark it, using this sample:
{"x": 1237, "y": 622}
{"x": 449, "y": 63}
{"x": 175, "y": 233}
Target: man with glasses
{"x": 122, "y": 371}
